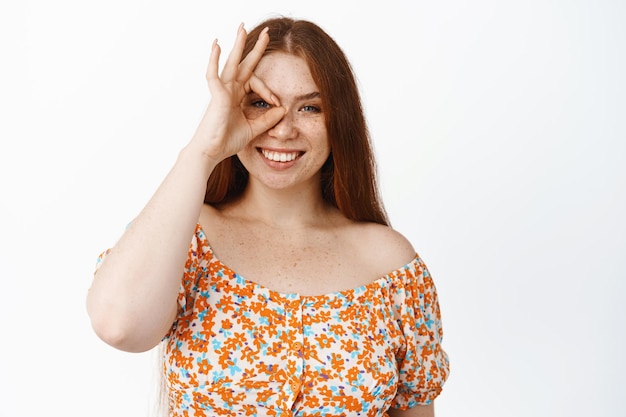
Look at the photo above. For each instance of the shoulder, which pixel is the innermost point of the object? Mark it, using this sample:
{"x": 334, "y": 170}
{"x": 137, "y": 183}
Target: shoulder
{"x": 211, "y": 219}
{"x": 382, "y": 247}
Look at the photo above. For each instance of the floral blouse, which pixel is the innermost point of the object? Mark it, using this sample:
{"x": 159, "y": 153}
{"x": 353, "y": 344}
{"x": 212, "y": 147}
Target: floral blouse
{"x": 240, "y": 349}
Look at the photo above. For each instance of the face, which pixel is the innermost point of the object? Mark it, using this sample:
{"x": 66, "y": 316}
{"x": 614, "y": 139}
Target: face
{"x": 292, "y": 152}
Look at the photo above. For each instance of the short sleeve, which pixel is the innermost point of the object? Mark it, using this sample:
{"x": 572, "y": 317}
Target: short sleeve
{"x": 423, "y": 365}
{"x": 193, "y": 268}
{"x": 195, "y": 265}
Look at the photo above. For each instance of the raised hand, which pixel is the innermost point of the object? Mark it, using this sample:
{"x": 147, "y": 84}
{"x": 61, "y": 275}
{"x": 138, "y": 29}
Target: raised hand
{"x": 224, "y": 129}
{"x": 143, "y": 261}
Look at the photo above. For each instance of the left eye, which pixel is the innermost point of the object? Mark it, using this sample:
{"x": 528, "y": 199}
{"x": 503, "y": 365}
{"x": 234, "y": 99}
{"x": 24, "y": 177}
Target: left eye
{"x": 311, "y": 109}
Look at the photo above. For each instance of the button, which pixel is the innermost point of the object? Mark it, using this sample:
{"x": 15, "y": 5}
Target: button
{"x": 296, "y": 346}
{"x": 295, "y": 386}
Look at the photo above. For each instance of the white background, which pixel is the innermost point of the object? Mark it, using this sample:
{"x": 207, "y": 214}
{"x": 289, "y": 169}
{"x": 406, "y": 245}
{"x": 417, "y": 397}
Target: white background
{"x": 500, "y": 132}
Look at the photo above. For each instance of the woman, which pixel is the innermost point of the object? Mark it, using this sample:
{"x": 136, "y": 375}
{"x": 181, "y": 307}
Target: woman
{"x": 296, "y": 296}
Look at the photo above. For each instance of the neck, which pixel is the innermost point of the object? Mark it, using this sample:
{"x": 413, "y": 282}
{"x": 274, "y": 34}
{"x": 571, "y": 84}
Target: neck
{"x": 285, "y": 207}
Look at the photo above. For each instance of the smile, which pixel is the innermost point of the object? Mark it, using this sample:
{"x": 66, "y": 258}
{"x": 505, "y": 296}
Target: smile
{"x": 279, "y": 156}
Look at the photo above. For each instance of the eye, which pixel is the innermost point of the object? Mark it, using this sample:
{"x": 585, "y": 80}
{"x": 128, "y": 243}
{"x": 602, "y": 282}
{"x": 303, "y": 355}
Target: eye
{"x": 260, "y": 104}
{"x": 311, "y": 109}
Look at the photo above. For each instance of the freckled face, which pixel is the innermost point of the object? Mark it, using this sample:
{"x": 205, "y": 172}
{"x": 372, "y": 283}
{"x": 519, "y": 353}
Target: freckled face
{"x": 293, "y": 151}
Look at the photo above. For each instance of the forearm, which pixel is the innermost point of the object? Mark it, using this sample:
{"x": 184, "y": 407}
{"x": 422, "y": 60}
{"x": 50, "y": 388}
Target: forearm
{"x": 132, "y": 301}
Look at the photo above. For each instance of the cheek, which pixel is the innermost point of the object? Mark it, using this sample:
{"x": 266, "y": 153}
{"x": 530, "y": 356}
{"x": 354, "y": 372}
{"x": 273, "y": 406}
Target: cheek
{"x": 324, "y": 142}
{"x": 247, "y": 154}
{"x": 318, "y": 134}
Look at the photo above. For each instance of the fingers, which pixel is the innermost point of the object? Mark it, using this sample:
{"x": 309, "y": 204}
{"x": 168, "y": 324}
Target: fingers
{"x": 235, "y": 68}
{"x": 234, "y": 57}
{"x": 212, "y": 71}
{"x": 267, "y": 120}
{"x": 258, "y": 86}
{"x": 252, "y": 59}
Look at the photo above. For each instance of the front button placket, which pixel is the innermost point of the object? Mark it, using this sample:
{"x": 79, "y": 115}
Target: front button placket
{"x": 295, "y": 356}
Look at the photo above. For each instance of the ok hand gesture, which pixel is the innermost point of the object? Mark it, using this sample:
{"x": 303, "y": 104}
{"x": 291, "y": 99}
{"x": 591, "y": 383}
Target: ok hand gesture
{"x": 224, "y": 130}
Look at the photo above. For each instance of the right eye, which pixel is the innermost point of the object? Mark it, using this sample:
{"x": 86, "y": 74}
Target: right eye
{"x": 260, "y": 104}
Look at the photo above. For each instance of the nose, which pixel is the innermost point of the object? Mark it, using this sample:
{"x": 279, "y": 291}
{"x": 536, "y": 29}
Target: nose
{"x": 285, "y": 128}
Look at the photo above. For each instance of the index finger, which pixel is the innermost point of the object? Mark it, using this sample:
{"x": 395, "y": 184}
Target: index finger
{"x": 258, "y": 86}
{"x": 252, "y": 59}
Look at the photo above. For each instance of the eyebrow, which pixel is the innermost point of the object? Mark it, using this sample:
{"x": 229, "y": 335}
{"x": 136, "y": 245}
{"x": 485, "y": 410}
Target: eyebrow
{"x": 309, "y": 96}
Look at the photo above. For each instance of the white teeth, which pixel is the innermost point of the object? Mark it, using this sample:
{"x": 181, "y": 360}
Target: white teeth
{"x": 280, "y": 156}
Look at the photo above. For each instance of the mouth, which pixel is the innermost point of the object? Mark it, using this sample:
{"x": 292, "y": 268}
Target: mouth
{"x": 280, "y": 156}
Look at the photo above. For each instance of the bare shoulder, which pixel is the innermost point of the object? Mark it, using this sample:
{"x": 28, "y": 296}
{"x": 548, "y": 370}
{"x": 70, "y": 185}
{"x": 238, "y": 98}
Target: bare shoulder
{"x": 384, "y": 248}
{"x": 210, "y": 217}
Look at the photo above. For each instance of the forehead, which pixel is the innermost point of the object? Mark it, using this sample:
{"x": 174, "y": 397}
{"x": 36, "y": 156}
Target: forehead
{"x": 286, "y": 74}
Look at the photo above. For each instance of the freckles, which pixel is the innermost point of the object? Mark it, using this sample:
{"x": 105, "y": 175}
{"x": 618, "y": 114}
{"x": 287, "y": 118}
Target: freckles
{"x": 314, "y": 130}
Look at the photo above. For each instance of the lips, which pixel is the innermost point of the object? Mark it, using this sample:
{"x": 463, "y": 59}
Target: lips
{"x": 280, "y": 156}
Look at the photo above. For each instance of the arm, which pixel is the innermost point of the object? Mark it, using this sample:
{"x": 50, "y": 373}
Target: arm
{"x": 132, "y": 301}
{"x": 417, "y": 411}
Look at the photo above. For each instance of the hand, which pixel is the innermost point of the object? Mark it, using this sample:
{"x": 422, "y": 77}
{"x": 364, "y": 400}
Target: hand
{"x": 224, "y": 130}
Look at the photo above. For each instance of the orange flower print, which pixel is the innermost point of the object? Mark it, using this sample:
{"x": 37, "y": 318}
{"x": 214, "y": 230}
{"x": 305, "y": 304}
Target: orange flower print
{"x": 204, "y": 367}
{"x": 323, "y": 341}
{"x": 238, "y": 348}
{"x": 337, "y": 362}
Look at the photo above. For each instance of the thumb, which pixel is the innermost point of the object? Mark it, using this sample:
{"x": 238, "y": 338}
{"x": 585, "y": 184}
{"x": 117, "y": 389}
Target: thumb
{"x": 267, "y": 120}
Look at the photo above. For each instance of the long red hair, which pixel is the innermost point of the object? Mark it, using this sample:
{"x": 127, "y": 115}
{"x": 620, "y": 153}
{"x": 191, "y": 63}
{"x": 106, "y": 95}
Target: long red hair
{"x": 349, "y": 175}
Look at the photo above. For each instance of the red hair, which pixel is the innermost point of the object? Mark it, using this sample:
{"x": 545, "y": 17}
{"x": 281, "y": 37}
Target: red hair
{"x": 349, "y": 175}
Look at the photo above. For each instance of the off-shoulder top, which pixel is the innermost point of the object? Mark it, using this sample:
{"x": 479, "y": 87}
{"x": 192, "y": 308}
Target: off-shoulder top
{"x": 238, "y": 348}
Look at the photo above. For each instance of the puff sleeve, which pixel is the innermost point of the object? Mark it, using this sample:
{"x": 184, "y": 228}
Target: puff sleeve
{"x": 423, "y": 365}
{"x": 195, "y": 267}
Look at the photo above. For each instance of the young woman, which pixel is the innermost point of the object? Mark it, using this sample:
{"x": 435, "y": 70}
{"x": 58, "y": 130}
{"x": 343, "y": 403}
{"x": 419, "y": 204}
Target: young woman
{"x": 294, "y": 297}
